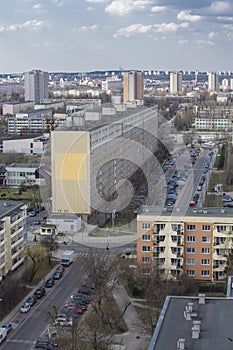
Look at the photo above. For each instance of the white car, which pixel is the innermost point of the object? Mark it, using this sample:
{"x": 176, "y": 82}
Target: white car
{"x": 25, "y": 308}
{"x": 63, "y": 321}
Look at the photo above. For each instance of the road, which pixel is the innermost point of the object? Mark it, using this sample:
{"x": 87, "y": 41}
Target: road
{"x": 28, "y": 327}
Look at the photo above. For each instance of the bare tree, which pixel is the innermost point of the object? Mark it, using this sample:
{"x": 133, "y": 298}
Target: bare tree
{"x": 104, "y": 271}
{"x": 35, "y": 259}
{"x": 51, "y": 245}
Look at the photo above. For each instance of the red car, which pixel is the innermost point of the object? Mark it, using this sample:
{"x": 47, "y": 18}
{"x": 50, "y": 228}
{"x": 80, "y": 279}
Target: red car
{"x": 76, "y": 309}
{"x": 60, "y": 268}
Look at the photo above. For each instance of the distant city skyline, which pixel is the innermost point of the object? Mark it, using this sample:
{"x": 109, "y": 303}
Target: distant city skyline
{"x": 89, "y": 35}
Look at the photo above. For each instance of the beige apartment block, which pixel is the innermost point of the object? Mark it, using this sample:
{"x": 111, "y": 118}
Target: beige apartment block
{"x": 88, "y": 163}
{"x": 197, "y": 244}
{"x": 12, "y": 236}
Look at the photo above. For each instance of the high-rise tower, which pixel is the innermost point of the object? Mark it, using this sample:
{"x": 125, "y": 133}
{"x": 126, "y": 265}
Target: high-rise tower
{"x": 36, "y": 85}
{"x": 133, "y": 86}
{"x": 175, "y": 82}
{"x": 213, "y": 81}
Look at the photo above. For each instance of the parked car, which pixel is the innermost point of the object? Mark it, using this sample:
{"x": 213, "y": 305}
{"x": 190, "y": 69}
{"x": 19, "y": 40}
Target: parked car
{"x": 36, "y": 222}
{"x": 25, "y": 308}
{"x": 227, "y": 198}
{"x": 32, "y": 213}
{"x": 7, "y": 326}
{"x": 228, "y": 205}
{"x": 60, "y": 268}
{"x": 49, "y": 283}
{"x": 45, "y": 343}
{"x": 64, "y": 321}
{"x": 40, "y": 292}
{"x": 57, "y": 275}
{"x": 31, "y": 300}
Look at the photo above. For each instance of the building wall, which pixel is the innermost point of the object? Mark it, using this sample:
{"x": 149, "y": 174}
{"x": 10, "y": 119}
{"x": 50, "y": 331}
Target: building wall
{"x": 133, "y": 86}
{"x": 12, "y": 234}
{"x": 199, "y": 248}
{"x": 36, "y": 86}
{"x": 70, "y": 171}
{"x": 28, "y": 146}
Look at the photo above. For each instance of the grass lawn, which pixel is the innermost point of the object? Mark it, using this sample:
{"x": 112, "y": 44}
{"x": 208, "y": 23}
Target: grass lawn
{"x": 15, "y": 193}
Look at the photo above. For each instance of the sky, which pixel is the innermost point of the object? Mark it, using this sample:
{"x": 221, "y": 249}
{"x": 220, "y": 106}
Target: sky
{"x": 89, "y": 35}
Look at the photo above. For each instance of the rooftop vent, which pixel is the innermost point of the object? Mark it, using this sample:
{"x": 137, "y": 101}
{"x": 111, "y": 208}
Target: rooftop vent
{"x": 222, "y": 210}
{"x": 205, "y": 210}
{"x": 180, "y": 344}
{"x": 201, "y": 298}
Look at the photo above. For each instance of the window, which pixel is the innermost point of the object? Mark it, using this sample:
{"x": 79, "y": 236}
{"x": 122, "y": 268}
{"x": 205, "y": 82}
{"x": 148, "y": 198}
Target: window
{"x": 191, "y": 227}
{"x": 205, "y": 239}
{"x": 205, "y": 227}
{"x": 190, "y": 250}
{"x": 146, "y": 271}
{"x": 190, "y": 272}
{"x": 205, "y": 272}
{"x": 145, "y": 237}
{"x": 145, "y": 226}
{"x": 145, "y": 248}
{"x": 145, "y": 260}
{"x": 190, "y": 262}
{"x": 221, "y": 228}
{"x": 205, "y": 261}
{"x": 205, "y": 250}
{"x": 191, "y": 238}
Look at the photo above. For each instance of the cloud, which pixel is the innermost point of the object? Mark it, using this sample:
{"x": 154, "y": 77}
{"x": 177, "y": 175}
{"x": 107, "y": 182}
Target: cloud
{"x": 205, "y": 42}
{"x": 186, "y": 16}
{"x": 38, "y": 8}
{"x": 32, "y": 25}
{"x": 96, "y": 1}
{"x": 220, "y": 7}
{"x": 212, "y": 35}
{"x": 135, "y": 29}
{"x": 90, "y": 8}
{"x": 156, "y": 9}
{"x": 92, "y": 28}
{"x": 124, "y": 7}
{"x": 59, "y": 2}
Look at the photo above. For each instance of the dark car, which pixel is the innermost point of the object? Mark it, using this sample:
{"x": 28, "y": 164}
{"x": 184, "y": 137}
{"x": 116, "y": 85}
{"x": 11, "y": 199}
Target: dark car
{"x": 49, "y": 283}
{"x": 57, "y": 275}
{"x": 85, "y": 290}
{"x": 31, "y": 300}
{"x": 40, "y": 292}
{"x": 228, "y": 205}
{"x": 45, "y": 343}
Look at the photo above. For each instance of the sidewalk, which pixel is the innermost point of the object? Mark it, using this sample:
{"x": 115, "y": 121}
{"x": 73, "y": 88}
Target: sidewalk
{"x": 135, "y": 338}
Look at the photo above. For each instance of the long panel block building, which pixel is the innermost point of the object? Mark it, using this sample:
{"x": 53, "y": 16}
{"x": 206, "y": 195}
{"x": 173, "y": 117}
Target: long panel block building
{"x": 89, "y": 162}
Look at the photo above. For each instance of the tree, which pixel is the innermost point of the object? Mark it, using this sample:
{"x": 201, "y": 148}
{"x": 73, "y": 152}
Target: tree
{"x": 35, "y": 259}
{"x": 51, "y": 245}
{"x": 104, "y": 271}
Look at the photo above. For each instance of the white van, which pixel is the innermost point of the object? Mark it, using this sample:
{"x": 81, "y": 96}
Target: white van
{"x": 3, "y": 334}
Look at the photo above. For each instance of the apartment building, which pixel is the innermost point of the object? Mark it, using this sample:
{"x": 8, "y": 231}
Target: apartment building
{"x": 12, "y": 235}
{"x": 36, "y": 85}
{"x": 32, "y": 145}
{"x": 197, "y": 244}
{"x": 13, "y": 108}
{"x": 213, "y": 82}
{"x": 212, "y": 123}
{"x": 89, "y": 162}
{"x": 176, "y": 82}
{"x": 22, "y": 174}
{"x": 133, "y": 86}
{"x": 35, "y": 121}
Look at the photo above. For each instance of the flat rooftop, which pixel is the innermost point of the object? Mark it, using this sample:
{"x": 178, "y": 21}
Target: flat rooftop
{"x": 9, "y": 207}
{"x": 157, "y": 212}
{"x": 216, "y": 324}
